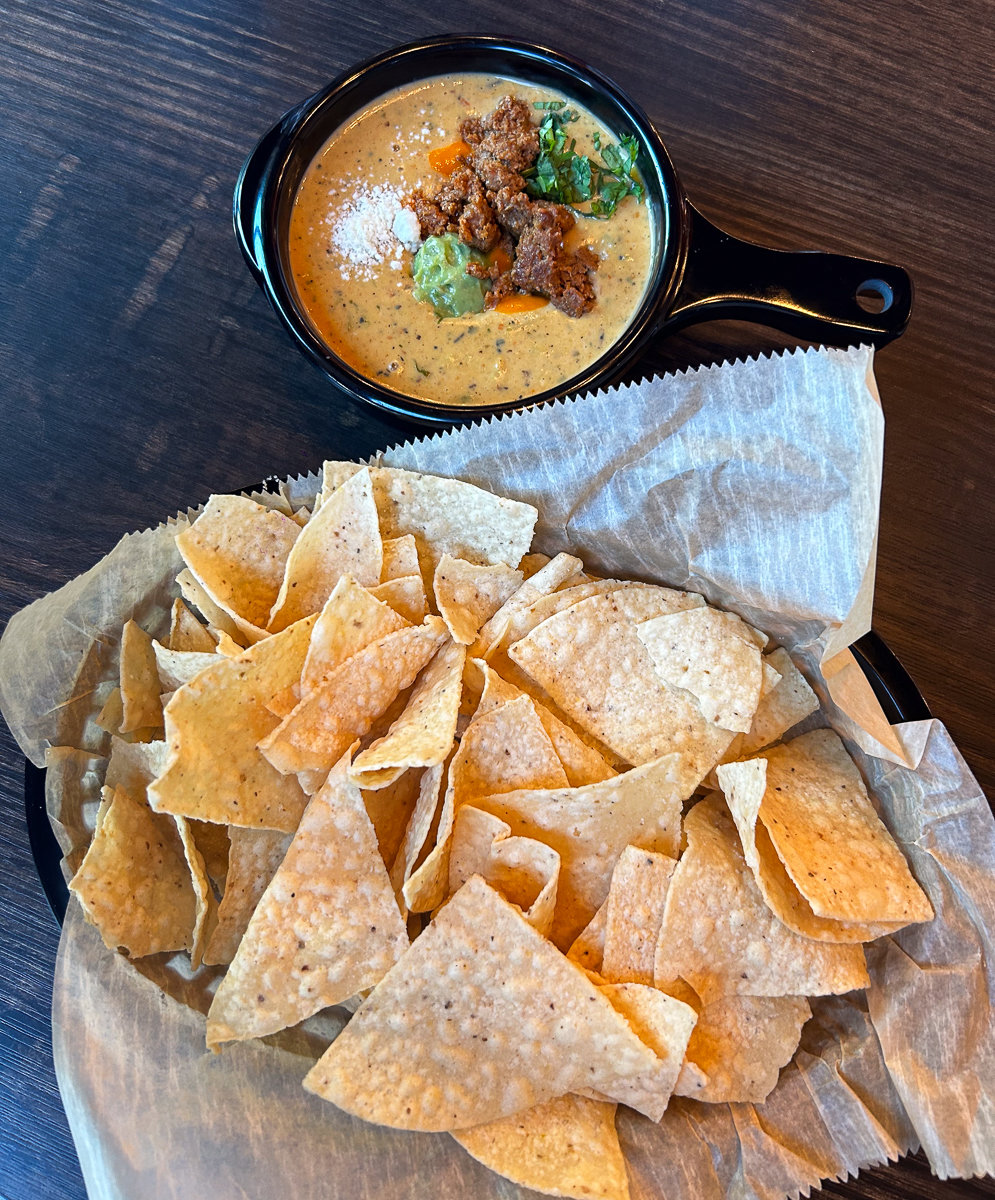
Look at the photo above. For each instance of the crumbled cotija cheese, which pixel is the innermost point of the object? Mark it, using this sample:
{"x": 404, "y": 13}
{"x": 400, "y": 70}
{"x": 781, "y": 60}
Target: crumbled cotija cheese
{"x": 372, "y": 228}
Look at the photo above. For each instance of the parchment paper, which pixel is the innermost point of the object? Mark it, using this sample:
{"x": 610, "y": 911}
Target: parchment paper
{"x": 756, "y": 484}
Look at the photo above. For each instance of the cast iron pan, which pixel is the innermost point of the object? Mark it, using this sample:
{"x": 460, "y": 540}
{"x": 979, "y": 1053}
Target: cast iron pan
{"x": 898, "y": 695}
{"x": 700, "y": 273}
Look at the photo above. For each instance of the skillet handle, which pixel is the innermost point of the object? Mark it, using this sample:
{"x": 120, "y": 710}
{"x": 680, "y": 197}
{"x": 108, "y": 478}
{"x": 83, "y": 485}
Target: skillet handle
{"x": 248, "y": 192}
{"x": 808, "y": 294}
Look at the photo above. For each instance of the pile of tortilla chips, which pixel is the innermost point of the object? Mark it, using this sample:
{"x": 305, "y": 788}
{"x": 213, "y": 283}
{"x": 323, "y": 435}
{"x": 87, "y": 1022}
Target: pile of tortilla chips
{"x": 540, "y": 830}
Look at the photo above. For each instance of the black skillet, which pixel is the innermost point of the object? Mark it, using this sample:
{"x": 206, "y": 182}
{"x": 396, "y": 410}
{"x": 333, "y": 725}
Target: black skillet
{"x": 700, "y": 273}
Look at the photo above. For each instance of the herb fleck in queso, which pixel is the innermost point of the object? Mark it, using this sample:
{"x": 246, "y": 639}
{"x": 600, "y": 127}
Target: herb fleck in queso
{"x": 352, "y": 241}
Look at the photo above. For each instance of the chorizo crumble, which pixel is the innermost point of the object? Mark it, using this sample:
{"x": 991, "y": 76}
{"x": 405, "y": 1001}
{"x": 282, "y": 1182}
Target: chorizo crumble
{"x": 485, "y": 202}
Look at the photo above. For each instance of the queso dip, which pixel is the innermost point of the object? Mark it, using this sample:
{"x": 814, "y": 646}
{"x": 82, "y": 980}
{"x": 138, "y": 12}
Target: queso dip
{"x": 351, "y": 248}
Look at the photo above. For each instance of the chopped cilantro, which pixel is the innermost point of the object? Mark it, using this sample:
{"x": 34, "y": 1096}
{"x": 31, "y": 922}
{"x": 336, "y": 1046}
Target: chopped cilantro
{"x": 563, "y": 175}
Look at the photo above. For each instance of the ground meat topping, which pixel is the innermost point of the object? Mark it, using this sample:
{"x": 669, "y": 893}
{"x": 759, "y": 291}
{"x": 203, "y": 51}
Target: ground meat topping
{"x": 484, "y": 201}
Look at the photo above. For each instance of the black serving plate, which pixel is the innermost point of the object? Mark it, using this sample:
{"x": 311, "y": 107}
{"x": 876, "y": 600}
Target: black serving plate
{"x": 898, "y": 695}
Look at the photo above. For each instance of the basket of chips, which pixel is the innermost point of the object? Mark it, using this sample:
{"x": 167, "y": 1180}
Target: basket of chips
{"x": 530, "y": 806}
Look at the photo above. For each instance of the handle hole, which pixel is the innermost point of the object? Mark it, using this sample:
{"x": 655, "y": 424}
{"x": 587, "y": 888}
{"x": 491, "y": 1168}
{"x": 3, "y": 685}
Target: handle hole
{"x": 874, "y": 296}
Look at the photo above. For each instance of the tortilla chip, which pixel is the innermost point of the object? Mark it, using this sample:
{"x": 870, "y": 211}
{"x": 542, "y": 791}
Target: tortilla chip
{"x": 406, "y": 596}
{"x": 565, "y": 1147}
{"x": 466, "y": 595}
{"x": 350, "y": 621}
{"x": 711, "y": 654}
{"x": 780, "y": 709}
{"x": 419, "y": 831}
{"x": 523, "y": 870}
{"x": 218, "y": 621}
{"x": 343, "y": 538}
{"x": 836, "y": 851}
{"x": 186, "y": 632}
{"x": 524, "y": 617}
{"x": 542, "y": 583}
{"x": 581, "y": 762}
{"x": 177, "y": 667}
{"x": 590, "y": 826}
{"x": 423, "y": 734}
{"x": 253, "y": 859}
{"x": 590, "y": 660}
{"x": 214, "y": 844}
{"x": 504, "y": 749}
{"x": 721, "y": 937}
{"x": 739, "y": 1046}
{"x": 238, "y": 550}
{"x": 480, "y": 1019}
{"x": 390, "y": 809}
{"x": 588, "y": 948}
{"x": 326, "y": 723}
{"x": 228, "y": 646}
{"x": 133, "y": 766}
{"x": 134, "y": 883}
{"x": 225, "y": 706}
{"x": 326, "y": 926}
{"x": 400, "y": 558}
{"x": 662, "y": 1022}
{"x": 634, "y": 914}
{"x": 205, "y": 905}
{"x": 446, "y": 516}
{"x": 141, "y": 707}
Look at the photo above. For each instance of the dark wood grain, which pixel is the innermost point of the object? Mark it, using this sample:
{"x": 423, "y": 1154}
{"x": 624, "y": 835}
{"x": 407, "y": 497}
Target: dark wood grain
{"x": 140, "y": 368}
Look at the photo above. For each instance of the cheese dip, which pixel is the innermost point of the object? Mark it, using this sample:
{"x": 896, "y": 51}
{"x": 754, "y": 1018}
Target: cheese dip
{"x": 351, "y": 243}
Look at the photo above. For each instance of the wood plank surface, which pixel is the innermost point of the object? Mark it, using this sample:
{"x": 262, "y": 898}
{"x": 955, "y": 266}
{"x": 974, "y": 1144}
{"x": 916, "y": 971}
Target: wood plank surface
{"x": 141, "y": 369}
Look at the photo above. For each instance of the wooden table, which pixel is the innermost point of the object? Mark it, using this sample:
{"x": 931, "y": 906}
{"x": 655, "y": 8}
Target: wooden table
{"x": 142, "y": 369}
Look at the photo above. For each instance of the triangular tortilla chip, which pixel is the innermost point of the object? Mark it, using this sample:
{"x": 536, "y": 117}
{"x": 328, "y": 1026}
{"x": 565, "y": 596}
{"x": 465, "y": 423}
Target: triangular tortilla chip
{"x": 721, "y": 937}
{"x": 789, "y": 701}
{"x": 205, "y": 905}
{"x": 588, "y": 948}
{"x": 523, "y": 870}
{"x": 466, "y": 595}
{"x": 446, "y": 516}
{"x": 326, "y": 926}
{"x": 480, "y": 1019}
{"x": 565, "y": 1147}
{"x": 663, "y": 1022}
{"x": 405, "y": 595}
{"x": 505, "y": 749}
{"x": 822, "y": 856}
{"x": 350, "y": 621}
{"x": 419, "y": 831}
{"x": 134, "y": 882}
{"x": 635, "y": 905}
{"x": 322, "y": 727}
{"x": 711, "y": 654}
{"x": 581, "y": 762}
{"x": 186, "y": 632}
{"x": 253, "y": 859}
{"x": 237, "y": 550}
{"x": 141, "y": 707}
{"x": 400, "y": 558}
{"x": 342, "y": 538}
{"x": 739, "y": 1046}
{"x": 545, "y": 581}
{"x": 390, "y": 809}
{"x": 423, "y": 734}
{"x": 590, "y": 826}
{"x": 177, "y": 667}
{"x": 213, "y": 724}
{"x": 590, "y": 660}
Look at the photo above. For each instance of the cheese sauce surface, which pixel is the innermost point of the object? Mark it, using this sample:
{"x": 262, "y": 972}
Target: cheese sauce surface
{"x": 352, "y": 270}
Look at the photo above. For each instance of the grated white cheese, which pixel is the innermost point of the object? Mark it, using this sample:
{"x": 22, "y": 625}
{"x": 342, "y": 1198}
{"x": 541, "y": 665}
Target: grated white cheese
{"x": 373, "y": 227}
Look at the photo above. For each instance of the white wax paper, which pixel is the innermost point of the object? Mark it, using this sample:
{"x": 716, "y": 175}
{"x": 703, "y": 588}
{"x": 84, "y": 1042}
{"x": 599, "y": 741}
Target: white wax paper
{"x": 756, "y": 484}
